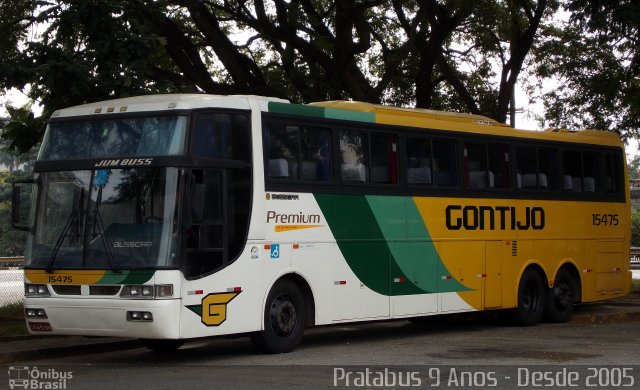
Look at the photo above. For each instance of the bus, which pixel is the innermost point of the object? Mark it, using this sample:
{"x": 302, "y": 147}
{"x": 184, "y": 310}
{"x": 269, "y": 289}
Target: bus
{"x": 181, "y": 216}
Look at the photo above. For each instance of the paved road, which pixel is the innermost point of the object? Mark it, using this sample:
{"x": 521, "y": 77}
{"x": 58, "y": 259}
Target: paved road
{"x": 399, "y": 346}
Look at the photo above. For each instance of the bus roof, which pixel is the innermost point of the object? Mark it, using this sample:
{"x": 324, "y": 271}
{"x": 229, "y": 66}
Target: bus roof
{"x": 339, "y": 109}
{"x": 433, "y": 119}
{"x": 164, "y": 102}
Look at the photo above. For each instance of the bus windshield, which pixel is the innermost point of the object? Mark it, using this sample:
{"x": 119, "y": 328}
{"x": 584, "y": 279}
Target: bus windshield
{"x": 104, "y": 219}
{"x": 98, "y": 138}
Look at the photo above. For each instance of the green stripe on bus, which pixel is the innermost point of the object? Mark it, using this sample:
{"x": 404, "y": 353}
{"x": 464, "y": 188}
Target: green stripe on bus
{"x": 386, "y": 244}
{"x": 410, "y": 242}
{"x": 126, "y": 277}
{"x": 138, "y": 277}
{"x": 296, "y": 109}
{"x": 364, "y": 246}
{"x": 347, "y": 115}
{"x": 195, "y": 308}
{"x": 111, "y": 277}
{"x": 321, "y": 112}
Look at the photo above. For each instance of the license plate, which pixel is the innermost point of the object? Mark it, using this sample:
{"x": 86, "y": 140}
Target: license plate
{"x": 40, "y": 326}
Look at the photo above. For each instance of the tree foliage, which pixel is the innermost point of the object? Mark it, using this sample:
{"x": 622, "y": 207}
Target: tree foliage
{"x": 11, "y": 240}
{"x": 595, "y": 56}
{"x": 442, "y": 54}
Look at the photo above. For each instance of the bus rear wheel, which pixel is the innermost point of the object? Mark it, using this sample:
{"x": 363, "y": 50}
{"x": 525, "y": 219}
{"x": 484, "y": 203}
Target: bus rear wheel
{"x": 283, "y": 319}
{"x": 561, "y": 298}
{"x": 161, "y": 345}
{"x": 531, "y": 299}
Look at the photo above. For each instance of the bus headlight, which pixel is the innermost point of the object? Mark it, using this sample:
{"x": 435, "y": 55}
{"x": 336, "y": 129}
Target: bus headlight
{"x": 145, "y": 316}
{"x": 35, "y": 313}
{"x": 143, "y": 291}
{"x": 147, "y": 291}
{"x": 36, "y": 290}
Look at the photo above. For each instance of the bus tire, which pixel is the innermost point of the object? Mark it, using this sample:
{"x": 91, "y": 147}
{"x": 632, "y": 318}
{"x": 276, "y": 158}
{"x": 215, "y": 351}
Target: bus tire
{"x": 283, "y": 319}
{"x": 161, "y": 345}
{"x": 531, "y": 299}
{"x": 561, "y": 298}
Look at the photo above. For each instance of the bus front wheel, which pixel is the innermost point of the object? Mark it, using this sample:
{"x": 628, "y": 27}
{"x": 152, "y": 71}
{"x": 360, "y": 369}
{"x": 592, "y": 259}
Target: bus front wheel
{"x": 283, "y": 319}
{"x": 561, "y": 298}
{"x": 531, "y": 298}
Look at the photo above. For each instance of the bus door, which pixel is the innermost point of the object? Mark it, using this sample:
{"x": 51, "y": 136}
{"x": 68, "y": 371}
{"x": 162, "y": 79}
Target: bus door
{"x": 492, "y": 277}
{"x": 352, "y": 298}
{"x": 206, "y": 228}
{"x": 417, "y": 261}
{"x": 461, "y": 273}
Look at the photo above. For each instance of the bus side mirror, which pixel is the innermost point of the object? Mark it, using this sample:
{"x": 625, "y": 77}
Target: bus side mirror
{"x": 21, "y": 203}
{"x": 197, "y": 203}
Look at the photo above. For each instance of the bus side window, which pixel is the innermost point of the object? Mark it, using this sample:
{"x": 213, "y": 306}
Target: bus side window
{"x": 572, "y": 179}
{"x": 499, "y": 166}
{"x": 527, "y": 168}
{"x": 419, "y": 159}
{"x": 444, "y": 162}
{"x": 315, "y": 144}
{"x": 283, "y": 154}
{"x": 384, "y": 158}
{"x": 220, "y": 135}
{"x": 547, "y": 169}
{"x": 591, "y": 167}
{"x": 354, "y": 150}
{"x": 475, "y": 166}
{"x": 611, "y": 181}
{"x": 212, "y": 136}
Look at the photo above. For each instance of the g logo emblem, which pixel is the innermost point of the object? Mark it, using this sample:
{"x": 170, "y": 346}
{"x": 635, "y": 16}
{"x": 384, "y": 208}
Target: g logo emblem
{"x": 214, "y": 307}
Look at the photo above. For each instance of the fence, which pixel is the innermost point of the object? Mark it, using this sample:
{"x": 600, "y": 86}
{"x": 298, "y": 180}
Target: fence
{"x": 11, "y": 241}
{"x": 11, "y": 250}
{"x": 11, "y": 280}
{"x": 635, "y": 258}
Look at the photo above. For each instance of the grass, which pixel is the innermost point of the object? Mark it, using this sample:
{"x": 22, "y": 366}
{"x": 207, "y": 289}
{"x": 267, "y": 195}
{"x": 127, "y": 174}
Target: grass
{"x": 635, "y": 285}
{"x": 12, "y": 320}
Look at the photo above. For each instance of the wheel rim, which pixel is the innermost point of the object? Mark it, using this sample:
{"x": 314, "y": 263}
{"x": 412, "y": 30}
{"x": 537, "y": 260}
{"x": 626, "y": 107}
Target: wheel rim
{"x": 530, "y": 297}
{"x": 563, "y": 294}
{"x": 283, "y": 316}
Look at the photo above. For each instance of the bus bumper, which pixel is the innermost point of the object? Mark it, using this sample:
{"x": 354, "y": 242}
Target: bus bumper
{"x": 106, "y": 317}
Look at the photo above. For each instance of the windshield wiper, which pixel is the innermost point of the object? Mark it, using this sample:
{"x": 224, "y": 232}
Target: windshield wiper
{"x": 72, "y": 221}
{"x": 97, "y": 222}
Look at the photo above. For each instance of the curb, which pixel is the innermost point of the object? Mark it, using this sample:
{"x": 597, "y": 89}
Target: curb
{"x": 47, "y": 353}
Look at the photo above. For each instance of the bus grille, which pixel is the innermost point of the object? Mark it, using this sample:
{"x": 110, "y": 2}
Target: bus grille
{"x": 104, "y": 290}
{"x": 66, "y": 289}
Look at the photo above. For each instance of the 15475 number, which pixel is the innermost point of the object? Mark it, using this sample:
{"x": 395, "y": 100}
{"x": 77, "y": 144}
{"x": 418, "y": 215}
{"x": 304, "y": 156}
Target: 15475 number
{"x": 60, "y": 279}
{"x": 605, "y": 219}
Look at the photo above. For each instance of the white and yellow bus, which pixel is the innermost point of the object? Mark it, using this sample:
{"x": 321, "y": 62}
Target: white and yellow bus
{"x": 173, "y": 217}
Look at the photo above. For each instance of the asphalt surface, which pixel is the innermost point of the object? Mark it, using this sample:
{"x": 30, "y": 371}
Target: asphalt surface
{"x": 28, "y": 348}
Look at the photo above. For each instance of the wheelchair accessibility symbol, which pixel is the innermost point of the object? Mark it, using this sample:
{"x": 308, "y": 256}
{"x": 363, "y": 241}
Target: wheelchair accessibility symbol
{"x": 275, "y": 251}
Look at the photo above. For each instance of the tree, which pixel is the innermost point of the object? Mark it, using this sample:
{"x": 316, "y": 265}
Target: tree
{"x": 595, "y": 59}
{"x": 634, "y": 168}
{"x": 21, "y": 130}
{"x": 11, "y": 240}
{"x": 440, "y": 54}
